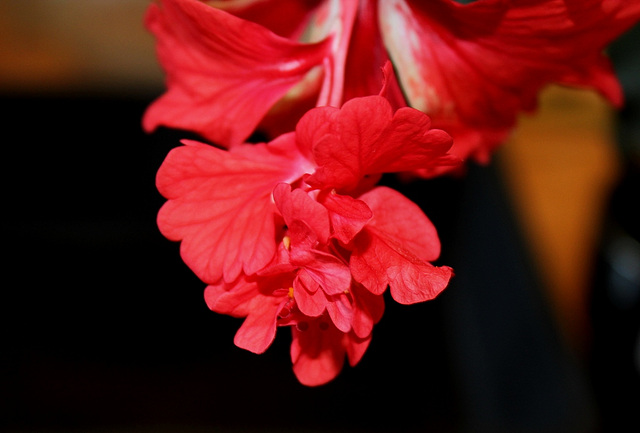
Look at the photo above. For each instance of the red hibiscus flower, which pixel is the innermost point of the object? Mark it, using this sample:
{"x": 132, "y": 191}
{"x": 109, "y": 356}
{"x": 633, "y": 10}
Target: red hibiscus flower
{"x": 236, "y": 66}
{"x": 295, "y": 233}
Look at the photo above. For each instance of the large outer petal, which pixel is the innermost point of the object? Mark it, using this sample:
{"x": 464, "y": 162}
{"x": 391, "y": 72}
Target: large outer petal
{"x": 395, "y": 250}
{"x": 290, "y": 24}
{"x": 330, "y": 20}
{"x": 219, "y": 204}
{"x": 475, "y": 67}
{"x": 223, "y": 73}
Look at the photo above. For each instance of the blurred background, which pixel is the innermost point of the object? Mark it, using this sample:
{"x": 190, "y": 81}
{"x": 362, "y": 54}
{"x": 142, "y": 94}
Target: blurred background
{"x": 104, "y": 328}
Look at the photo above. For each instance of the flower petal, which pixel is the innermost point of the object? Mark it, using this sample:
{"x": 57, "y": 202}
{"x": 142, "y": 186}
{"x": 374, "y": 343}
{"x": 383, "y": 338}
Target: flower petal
{"x": 310, "y": 301}
{"x": 368, "y": 67}
{"x": 233, "y": 299}
{"x": 223, "y": 73}
{"x": 356, "y": 347}
{"x": 313, "y": 302}
{"x": 401, "y": 220}
{"x": 340, "y": 311}
{"x": 297, "y": 205}
{"x": 290, "y": 24}
{"x": 259, "y": 301}
{"x": 367, "y": 137}
{"x": 394, "y": 250}
{"x": 348, "y": 215}
{"x": 219, "y": 204}
{"x": 327, "y": 270}
{"x": 259, "y": 328}
{"x": 317, "y": 352}
{"x": 477, "y": 66}
{"x": 367, "y": 311}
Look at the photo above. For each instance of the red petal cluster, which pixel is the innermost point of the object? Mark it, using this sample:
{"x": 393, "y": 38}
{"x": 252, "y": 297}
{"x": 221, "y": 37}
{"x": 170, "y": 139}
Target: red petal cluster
{"x": 295, "y": 233}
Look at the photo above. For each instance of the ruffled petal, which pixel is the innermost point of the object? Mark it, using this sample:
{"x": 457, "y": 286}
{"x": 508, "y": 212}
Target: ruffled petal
{"x": 395, "y": 250}
{"x": 313, "y": 302}
{"x": 348, "y": 215}
{"x": 233, "y": 299}
{"x": 298, "y": 205}
{"x": 327, "y": 270}
{"x": 367, "y": 137}
{"x": 258, "y": 300}
{"x": 219, "y": 204}
{"x": 259, "y": 328}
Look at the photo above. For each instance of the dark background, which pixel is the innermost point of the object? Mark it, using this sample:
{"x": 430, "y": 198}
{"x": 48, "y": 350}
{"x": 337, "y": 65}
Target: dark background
{"x": 103, "y": 328}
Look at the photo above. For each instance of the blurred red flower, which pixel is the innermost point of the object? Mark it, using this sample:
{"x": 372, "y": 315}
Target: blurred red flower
{"x": 236, "y": 66}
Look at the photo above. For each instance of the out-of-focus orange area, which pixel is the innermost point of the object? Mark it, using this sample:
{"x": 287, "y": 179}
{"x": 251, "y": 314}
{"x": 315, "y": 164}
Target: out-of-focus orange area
{"x": 95, "y": 45}
{"x": 559, "y": 164}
